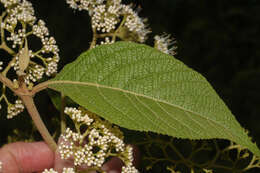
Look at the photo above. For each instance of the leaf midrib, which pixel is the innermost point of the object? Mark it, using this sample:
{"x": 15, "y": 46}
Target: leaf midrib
{"x": 141, "y": 95}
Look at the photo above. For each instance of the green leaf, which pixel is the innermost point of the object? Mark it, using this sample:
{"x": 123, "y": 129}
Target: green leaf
{"x": 140, "y": 88}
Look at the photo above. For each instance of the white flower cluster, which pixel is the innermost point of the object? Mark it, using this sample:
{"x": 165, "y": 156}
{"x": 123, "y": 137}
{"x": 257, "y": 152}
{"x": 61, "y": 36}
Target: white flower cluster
{"x": 92, "y": 147}
{"x": 135, "y": 24}
{"x": 104, "y": 19}
{"x": 52, "y": 65}
{"x": 22, "y": 12}
{"x": 107, "y": 41}
{"x": 40, "y": 30}
{"x": 88, "y": 5}
{"x": 77, "y": 116}
{"x": 129, "y": 169}
{"x": 17, "y": 38}
{"x": 165, "y": 44}
{"x": 18, "y": 11}
{"x": 65, "y": 170}
{"x": 129, "y": 155}
{"x": 108, "y": 15}
{"x": 94, "y": 152}
{"x": 103, "y": 138}
{"x": 15, "y": 109}
{"x": 35, "y": 73}
{"x": 49, "y": 45}
{"x": 8, "y": 3}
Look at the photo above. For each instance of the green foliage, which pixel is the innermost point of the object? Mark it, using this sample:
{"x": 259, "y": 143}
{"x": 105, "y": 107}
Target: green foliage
{"x": 200, "y": 156}
{"x": 140, "y": 88}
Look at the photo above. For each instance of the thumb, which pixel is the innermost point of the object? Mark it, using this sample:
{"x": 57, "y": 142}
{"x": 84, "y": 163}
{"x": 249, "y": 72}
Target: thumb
{"x": 21, "y": 157}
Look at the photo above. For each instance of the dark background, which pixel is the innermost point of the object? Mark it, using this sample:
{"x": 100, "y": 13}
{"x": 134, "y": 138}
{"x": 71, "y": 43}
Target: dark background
{"x": 218, "y": 38}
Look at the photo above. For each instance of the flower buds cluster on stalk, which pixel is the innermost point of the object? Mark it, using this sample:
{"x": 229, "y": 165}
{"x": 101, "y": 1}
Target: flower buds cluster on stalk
{"x": 18, "y": 27}
{"x": 93, "y": 142}
{"x": 112, "y": 21}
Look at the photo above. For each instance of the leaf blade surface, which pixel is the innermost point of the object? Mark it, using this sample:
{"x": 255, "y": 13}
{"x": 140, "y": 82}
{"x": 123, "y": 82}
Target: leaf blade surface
{"x": 140, "y": 88}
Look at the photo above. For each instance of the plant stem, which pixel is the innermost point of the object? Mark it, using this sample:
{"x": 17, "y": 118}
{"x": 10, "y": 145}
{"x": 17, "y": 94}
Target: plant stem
{"x": 6, "y": 48}
{"x": 31, "y": 108}
{"x": 27, "y": 98}
{"x": 94, "y": 39}
{"x": 7, "y": 82}
{"x": 2, "y": 30}
{"x": 62, "y": 116}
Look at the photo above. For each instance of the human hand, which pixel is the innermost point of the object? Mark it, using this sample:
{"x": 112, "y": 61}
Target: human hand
{"x": 21, "y": 157}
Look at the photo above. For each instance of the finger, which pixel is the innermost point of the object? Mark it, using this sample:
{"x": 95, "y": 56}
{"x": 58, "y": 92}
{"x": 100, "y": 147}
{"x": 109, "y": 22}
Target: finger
{"x": 59, "y": 163}
{"x": 114, "y": 165}
{"x": 21, "y": 157}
